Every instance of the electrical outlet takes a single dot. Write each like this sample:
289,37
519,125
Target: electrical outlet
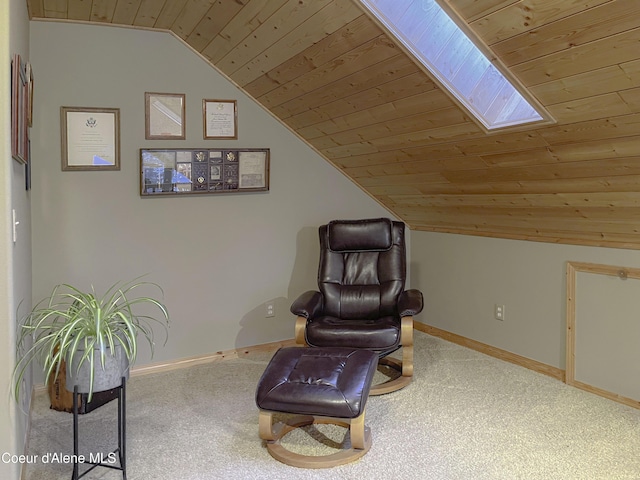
498,312
270,310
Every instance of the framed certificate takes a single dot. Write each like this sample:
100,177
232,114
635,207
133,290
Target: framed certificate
190,171
252,169
164,116
90,138
220,119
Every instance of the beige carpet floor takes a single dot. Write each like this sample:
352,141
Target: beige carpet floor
466,416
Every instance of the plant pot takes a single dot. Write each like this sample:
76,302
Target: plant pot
116,366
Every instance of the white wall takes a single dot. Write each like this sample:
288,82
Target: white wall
8,434
15,258
218,257
463,277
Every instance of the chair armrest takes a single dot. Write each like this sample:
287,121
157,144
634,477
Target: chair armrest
410,303
307,305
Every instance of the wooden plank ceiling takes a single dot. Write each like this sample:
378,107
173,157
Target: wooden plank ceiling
330,73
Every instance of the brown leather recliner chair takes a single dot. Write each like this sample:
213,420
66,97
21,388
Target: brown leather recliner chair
362,301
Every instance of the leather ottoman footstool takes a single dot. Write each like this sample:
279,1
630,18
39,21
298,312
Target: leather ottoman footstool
320,385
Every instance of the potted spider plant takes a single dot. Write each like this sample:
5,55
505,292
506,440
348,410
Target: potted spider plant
96,336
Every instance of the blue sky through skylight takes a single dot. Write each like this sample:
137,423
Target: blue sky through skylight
455,61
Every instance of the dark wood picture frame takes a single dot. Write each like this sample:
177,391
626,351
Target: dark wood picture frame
198,171
21,99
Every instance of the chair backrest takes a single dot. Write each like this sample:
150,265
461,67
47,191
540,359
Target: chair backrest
362,267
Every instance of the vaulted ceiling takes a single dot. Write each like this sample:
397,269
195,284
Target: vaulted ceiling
331,74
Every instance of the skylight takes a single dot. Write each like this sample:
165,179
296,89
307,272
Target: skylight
455,61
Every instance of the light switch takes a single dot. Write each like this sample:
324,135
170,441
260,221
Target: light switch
15,226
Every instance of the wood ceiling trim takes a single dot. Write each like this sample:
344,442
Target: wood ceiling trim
523,230
537,235
556,220
596,220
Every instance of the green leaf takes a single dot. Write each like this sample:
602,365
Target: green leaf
71,320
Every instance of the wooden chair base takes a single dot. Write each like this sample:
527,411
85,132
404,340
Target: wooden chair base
360,437
404,366
394,384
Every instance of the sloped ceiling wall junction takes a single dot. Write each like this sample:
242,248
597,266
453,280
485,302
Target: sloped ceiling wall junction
328,71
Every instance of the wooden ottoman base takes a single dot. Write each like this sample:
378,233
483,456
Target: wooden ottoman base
360,437
316,386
